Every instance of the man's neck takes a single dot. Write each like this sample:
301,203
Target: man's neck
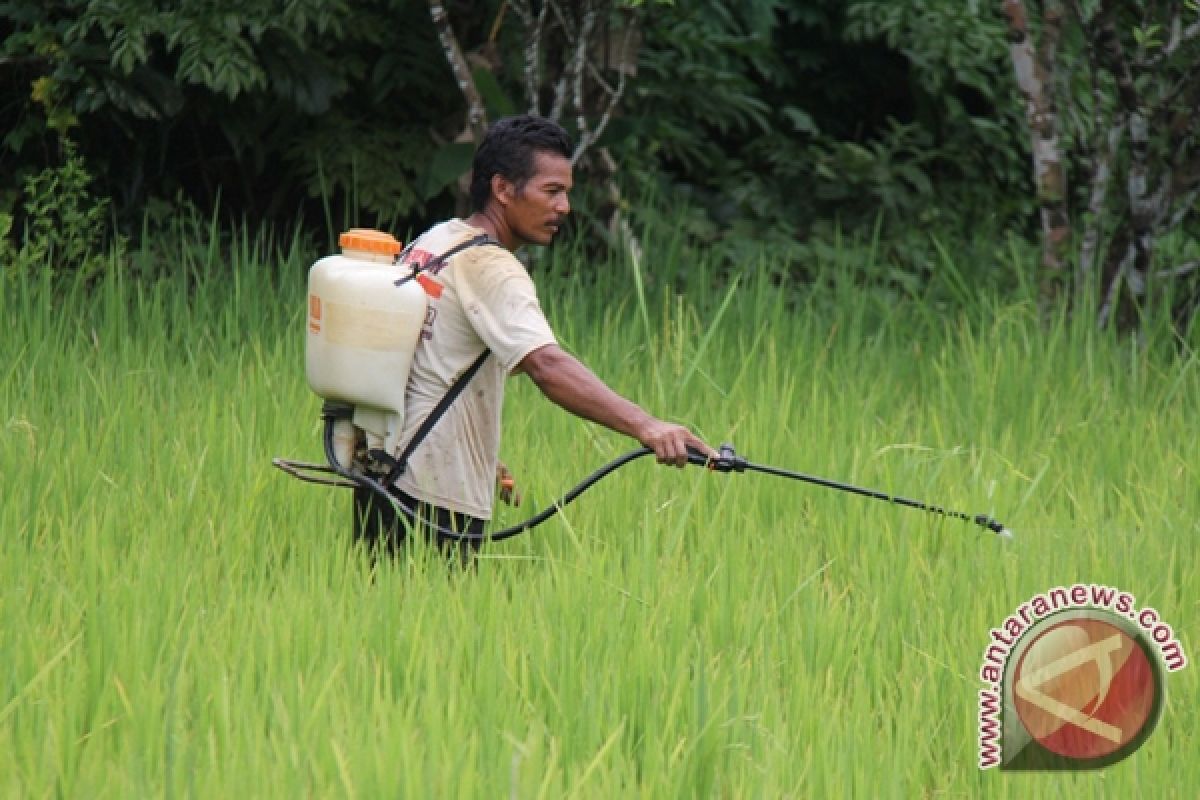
494,228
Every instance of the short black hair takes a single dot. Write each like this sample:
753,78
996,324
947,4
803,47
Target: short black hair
508,150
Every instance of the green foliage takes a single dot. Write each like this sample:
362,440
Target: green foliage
64,225
380,170
8,251
705,52
226,46
263,102
947,43
889,174
767,117
961,80
825,110
1126,88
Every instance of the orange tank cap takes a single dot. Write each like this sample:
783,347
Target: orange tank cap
370,240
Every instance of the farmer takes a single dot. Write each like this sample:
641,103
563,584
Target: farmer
484,298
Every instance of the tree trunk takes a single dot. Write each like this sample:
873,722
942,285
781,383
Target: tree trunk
571,47
1127,271
476,114
1035,74
477,122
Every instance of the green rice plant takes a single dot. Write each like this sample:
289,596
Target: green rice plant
181,619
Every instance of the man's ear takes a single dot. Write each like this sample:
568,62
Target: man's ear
503,189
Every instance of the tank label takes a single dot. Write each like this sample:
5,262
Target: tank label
314,313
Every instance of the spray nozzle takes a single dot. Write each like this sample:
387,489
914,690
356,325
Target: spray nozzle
995,526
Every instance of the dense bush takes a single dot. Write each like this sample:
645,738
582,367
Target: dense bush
825,109
767,119
259,102
875,102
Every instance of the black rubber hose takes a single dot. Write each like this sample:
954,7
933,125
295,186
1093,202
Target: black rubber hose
507,533
727,461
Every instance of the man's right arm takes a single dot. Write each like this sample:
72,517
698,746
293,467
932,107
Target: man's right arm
569,384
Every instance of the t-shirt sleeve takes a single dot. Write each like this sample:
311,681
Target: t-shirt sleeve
502,305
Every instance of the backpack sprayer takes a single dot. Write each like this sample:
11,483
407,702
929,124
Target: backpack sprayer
365,313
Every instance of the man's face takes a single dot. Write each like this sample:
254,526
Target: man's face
536,210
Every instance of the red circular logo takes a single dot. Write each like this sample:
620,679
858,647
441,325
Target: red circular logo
1084,688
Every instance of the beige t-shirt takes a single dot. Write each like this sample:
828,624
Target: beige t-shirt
487,300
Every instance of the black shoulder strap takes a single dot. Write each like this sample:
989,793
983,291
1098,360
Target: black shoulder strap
482,238
400,464
436,414
436,263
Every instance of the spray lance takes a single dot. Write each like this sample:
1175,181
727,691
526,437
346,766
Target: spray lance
365,312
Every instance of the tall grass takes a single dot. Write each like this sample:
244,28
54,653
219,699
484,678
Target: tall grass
180,619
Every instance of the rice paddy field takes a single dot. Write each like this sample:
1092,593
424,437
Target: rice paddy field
179,619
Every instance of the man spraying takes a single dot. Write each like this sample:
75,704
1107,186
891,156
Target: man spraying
482,299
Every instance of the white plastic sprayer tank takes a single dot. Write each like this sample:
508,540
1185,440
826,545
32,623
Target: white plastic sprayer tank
362,332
